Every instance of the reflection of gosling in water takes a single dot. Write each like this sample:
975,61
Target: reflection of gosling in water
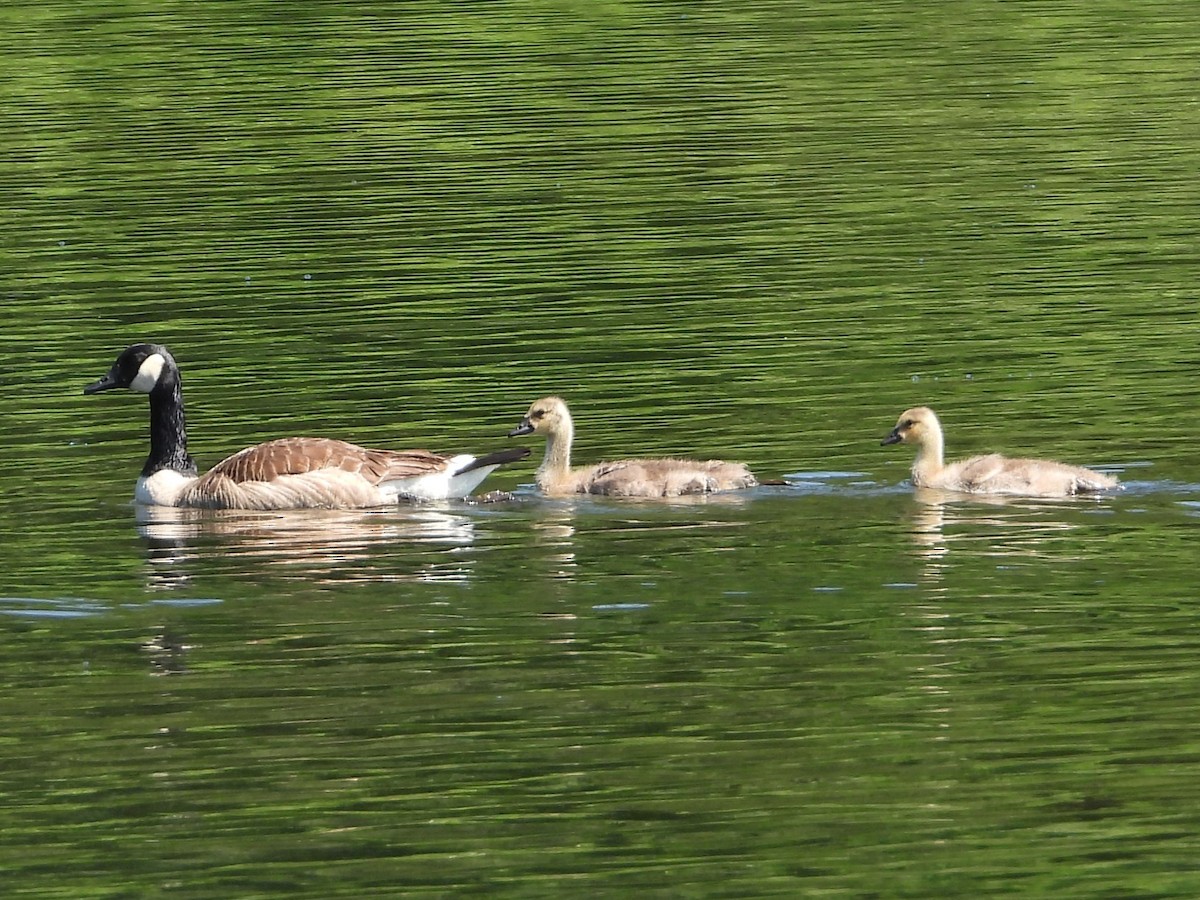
990,474
621,477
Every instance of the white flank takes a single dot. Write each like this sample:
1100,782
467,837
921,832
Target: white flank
443,485
148,374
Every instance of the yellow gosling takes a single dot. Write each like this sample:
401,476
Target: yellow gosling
991,473
666,477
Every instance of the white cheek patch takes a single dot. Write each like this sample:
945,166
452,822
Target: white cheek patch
148,373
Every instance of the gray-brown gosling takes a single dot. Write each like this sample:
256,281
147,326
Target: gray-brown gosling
290,473
664,477
989,474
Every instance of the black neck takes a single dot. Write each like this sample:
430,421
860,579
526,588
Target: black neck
168,427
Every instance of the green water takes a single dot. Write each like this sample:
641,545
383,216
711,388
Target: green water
756,231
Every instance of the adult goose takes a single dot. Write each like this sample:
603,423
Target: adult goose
290,473
623,477
990,474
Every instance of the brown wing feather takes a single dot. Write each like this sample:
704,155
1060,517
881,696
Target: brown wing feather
298,456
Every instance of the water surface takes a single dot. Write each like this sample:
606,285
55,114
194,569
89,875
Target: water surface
756,233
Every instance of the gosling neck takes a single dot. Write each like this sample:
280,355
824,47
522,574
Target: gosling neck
928,463
556,464
168,427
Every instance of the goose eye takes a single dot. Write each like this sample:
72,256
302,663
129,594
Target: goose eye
907,423
537,414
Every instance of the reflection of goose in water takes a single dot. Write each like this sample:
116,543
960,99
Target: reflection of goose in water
945,523
989,474
581,537
646,478
406,544
554,530
291,473
167,651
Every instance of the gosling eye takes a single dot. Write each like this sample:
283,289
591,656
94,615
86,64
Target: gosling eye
907,423
537,414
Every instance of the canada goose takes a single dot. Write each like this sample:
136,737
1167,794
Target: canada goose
290,473
621,477
990,474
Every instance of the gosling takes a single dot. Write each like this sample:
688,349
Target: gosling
989,474
641,478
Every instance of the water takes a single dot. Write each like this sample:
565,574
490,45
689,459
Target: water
757,233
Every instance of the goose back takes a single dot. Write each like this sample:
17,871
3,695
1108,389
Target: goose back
303,472
665,477
996,474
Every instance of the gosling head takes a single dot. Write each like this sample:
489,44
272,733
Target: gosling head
915,426
546,416
139,368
